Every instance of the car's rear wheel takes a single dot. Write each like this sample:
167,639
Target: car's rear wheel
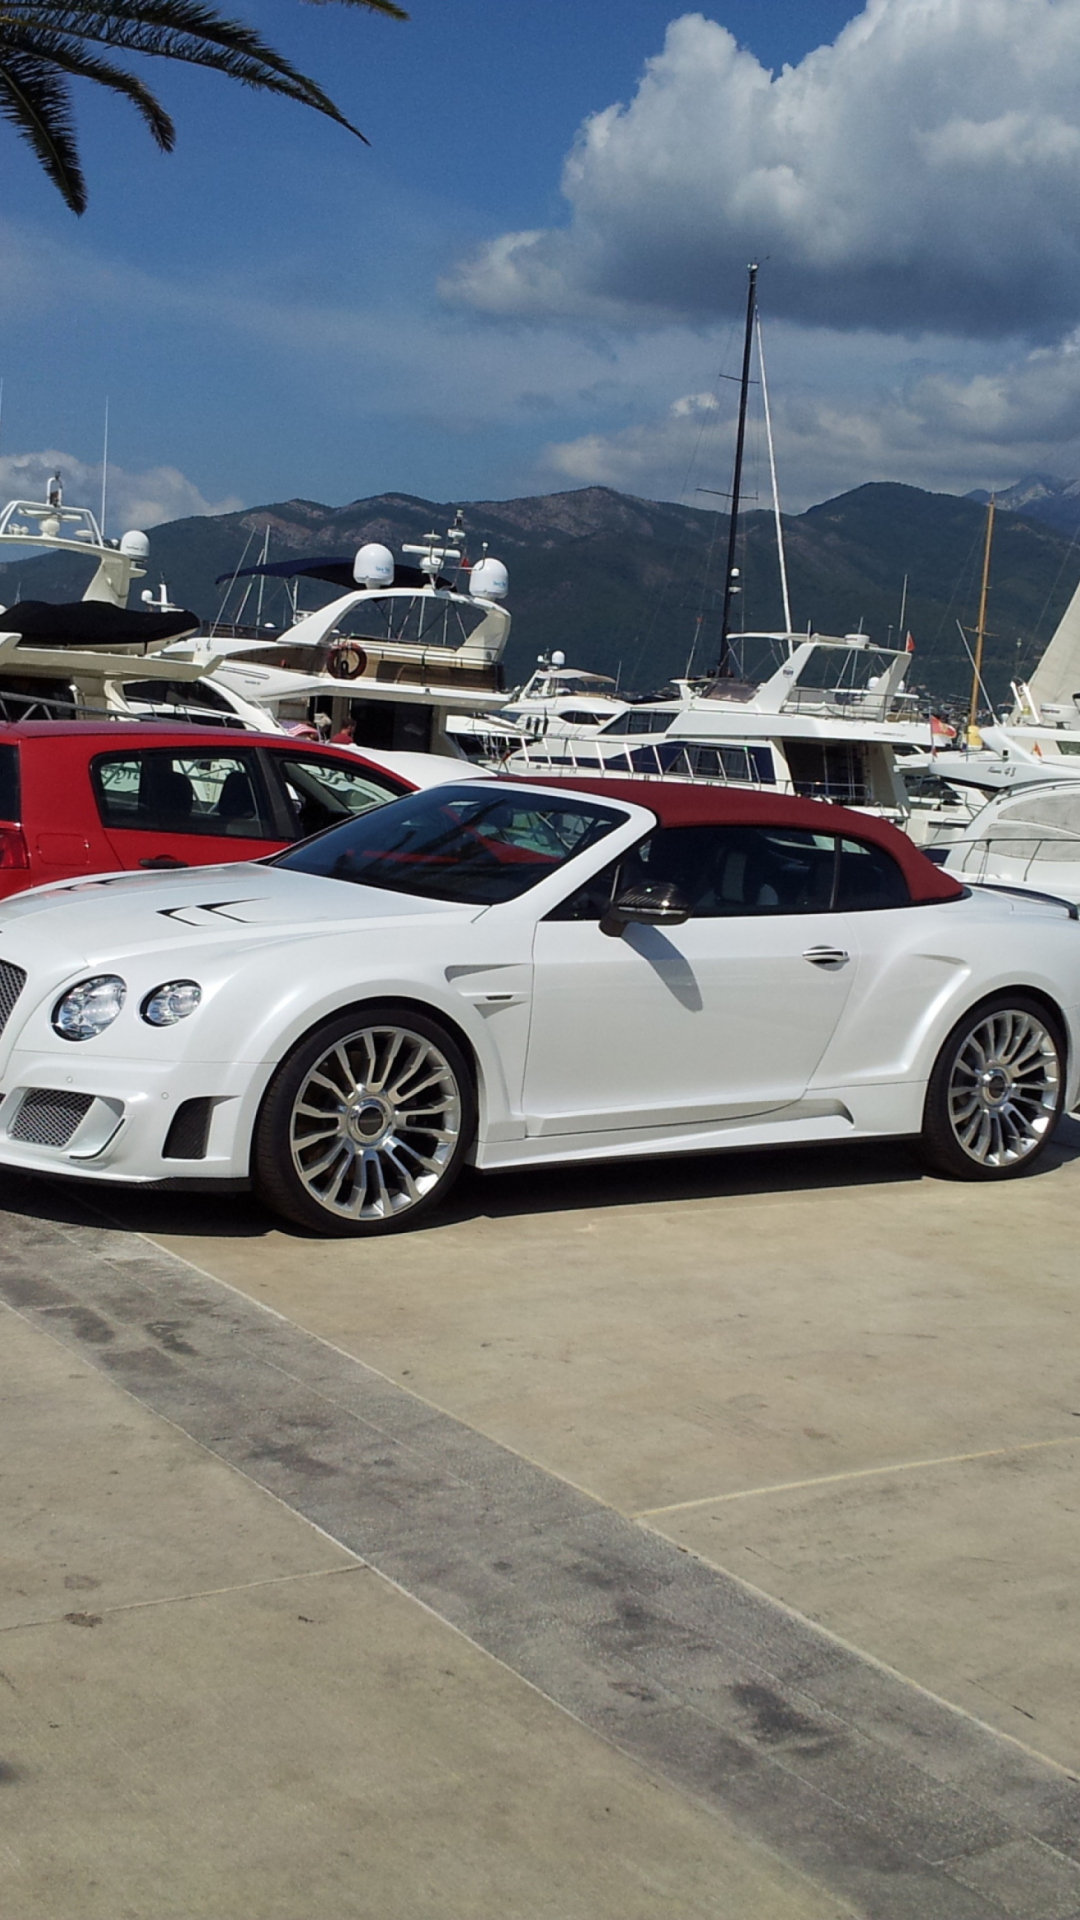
996,1091
366,1125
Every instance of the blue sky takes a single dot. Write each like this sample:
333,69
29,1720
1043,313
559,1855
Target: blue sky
461,311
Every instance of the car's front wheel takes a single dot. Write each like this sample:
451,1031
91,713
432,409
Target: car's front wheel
366,1125
996,1091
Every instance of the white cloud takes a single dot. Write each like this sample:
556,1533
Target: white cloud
134,499
922,171
945,428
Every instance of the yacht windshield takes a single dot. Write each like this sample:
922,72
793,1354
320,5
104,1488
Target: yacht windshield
474,845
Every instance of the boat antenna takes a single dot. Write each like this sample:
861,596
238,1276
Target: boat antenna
980,631
781,556
723,665
105,468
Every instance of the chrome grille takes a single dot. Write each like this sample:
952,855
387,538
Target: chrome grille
12,982
49,1117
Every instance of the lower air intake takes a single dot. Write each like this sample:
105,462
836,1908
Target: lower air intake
48,1117
189,1132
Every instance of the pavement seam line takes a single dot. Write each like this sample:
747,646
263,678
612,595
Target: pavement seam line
856,1473
202,1593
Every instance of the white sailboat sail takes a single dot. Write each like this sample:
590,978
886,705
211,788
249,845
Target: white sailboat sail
1056,679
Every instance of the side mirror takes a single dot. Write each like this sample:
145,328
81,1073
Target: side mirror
659,904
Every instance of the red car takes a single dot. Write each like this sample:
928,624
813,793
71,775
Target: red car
79,798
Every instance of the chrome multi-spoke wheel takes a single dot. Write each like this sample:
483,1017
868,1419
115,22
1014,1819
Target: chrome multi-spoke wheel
366,1124
996,1093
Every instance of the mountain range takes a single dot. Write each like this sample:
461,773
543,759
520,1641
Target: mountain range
633,587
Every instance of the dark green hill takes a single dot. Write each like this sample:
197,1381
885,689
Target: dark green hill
634,586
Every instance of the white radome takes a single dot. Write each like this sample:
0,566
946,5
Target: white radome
504,975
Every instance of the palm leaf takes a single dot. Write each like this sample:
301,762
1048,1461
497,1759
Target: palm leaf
37,103
65,54
183,30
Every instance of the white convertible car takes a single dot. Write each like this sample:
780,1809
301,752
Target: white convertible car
506,974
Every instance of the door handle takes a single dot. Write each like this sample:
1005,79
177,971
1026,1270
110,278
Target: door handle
826,956
164,860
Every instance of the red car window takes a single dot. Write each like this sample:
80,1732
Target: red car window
177,790
323,792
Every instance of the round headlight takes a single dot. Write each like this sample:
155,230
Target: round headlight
86,1010
170,1003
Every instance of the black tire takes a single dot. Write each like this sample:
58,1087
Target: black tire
355,1095
997,1090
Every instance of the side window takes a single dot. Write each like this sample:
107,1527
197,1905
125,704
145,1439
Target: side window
182,792
323,793
739,870
868,878
721,871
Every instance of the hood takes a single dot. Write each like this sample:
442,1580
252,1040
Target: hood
87,920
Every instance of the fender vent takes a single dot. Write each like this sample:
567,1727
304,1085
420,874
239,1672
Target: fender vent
190,1129
12,982
48,1117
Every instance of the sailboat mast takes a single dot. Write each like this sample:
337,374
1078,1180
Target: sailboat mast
980,631
723,665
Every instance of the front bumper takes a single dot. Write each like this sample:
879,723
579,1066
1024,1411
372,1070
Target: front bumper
109,1119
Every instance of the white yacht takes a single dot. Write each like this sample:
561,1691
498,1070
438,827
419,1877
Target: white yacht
95,656
824,723
556,702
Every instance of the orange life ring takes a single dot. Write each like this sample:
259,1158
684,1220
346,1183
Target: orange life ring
347,661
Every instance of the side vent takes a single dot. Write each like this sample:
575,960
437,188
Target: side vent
189,1132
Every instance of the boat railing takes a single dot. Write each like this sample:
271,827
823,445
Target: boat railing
15,708
724,766
1026,849
846,703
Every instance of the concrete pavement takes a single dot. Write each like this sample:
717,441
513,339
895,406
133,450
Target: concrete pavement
847,1390
209,1708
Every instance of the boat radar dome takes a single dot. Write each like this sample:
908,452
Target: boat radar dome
558,658
135,545
489,580
374,566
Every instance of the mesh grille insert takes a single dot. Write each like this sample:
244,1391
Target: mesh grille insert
187,1136
12,982
48,1117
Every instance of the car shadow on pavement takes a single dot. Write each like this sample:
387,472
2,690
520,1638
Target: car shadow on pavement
658,1181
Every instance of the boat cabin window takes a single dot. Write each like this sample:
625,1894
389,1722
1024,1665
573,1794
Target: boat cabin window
640,720
733,870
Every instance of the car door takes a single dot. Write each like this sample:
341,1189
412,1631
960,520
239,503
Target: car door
724,1016
185,806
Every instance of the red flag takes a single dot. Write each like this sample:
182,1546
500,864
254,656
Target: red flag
910,644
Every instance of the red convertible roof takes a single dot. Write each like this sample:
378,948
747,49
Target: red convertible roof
684,803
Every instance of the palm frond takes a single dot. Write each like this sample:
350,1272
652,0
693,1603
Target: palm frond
42,42
37,103
65,54
183,30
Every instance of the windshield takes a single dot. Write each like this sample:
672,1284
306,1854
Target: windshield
472,845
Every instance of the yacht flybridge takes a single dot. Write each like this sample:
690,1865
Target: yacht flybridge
408,645
56,528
